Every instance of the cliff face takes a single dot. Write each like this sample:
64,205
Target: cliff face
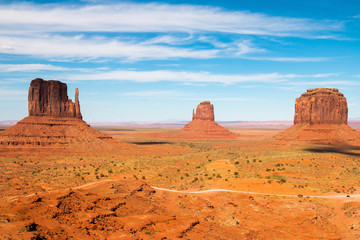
204,111
53,121
321,106
320,118
49,98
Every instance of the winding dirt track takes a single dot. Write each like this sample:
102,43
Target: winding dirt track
355,197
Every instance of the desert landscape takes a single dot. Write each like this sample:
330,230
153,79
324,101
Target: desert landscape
62,179
168,119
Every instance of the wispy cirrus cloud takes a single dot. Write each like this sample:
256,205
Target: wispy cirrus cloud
13,95
289,59
74,47
153,17
70,47
29,67
81,32
191,77
333,83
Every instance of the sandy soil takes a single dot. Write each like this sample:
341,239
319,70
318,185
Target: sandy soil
111,195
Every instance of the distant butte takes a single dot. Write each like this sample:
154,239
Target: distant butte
53,121
203,125
321,117
204,111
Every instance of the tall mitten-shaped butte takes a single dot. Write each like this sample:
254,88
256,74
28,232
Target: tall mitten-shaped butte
49,98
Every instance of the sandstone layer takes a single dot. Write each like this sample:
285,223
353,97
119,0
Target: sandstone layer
49,98
203,125
320,118
321,106
53,121
204,111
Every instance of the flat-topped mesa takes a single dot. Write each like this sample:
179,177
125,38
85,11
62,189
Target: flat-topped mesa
49,98
321,106
204,111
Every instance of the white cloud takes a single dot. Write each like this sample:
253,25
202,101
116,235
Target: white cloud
189,77
12,92
79,32
335,83
70,47
153,17
12,95
29,67
6,47
289,59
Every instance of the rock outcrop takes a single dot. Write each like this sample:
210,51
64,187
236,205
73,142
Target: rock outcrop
321,106
203,125
320,118
53,121
204,111
49,98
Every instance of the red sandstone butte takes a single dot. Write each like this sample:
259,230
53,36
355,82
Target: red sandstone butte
53,121
203,125
321,105
204,111
49,98
320,118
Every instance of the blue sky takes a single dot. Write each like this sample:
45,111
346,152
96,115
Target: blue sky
155,61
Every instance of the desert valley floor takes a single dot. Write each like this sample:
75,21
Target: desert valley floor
154,186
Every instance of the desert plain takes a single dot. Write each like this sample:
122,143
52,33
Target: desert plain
285,192
61,178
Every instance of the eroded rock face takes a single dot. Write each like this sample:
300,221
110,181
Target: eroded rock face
204,111
320,119
49,98
54,121
321,106
203,125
